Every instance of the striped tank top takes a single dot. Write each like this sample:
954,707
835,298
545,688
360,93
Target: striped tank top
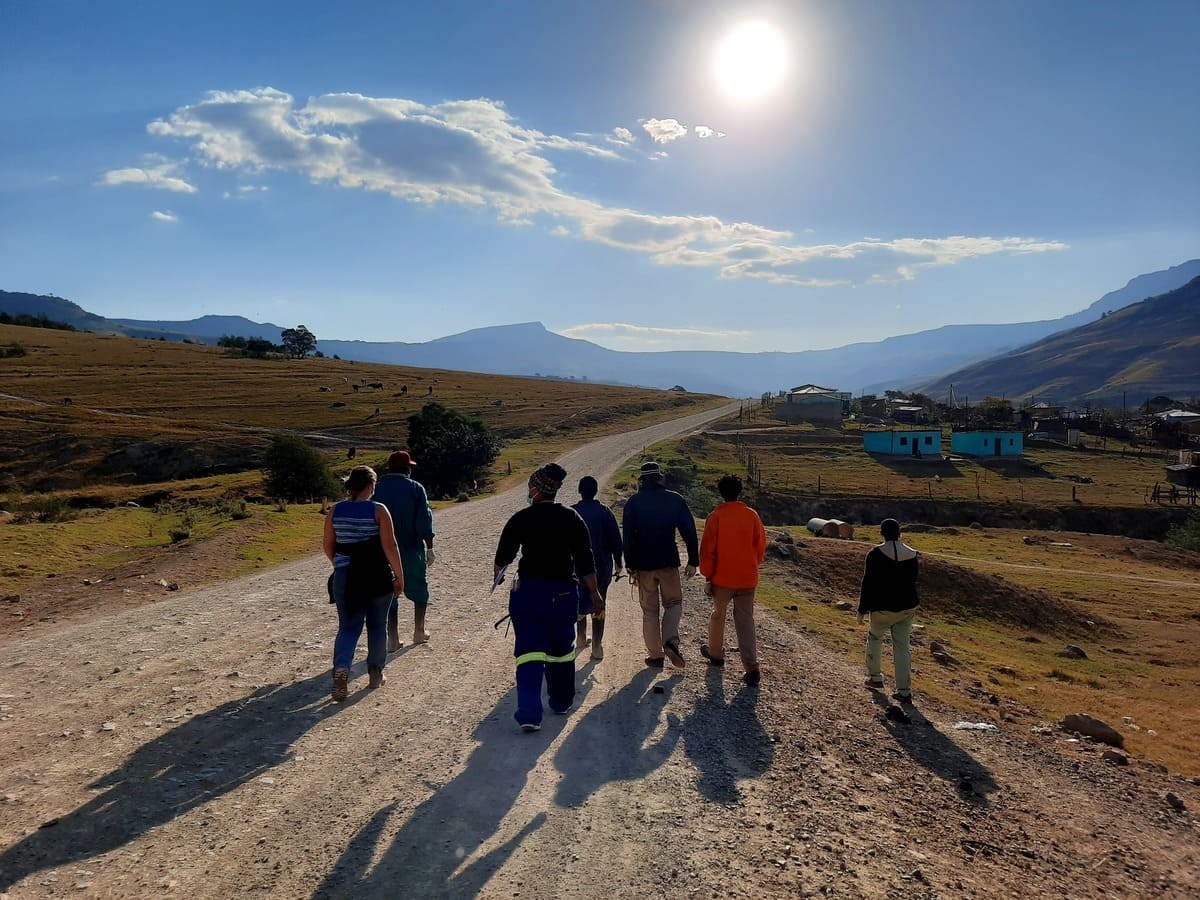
353,521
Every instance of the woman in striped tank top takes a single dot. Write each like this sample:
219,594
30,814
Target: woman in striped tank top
367,574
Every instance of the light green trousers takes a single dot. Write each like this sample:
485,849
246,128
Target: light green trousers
899,624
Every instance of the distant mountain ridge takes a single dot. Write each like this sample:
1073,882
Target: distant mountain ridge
1140,351
905,361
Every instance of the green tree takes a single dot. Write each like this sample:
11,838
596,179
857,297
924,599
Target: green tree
451,448
995,411
259,347
298,342
295,471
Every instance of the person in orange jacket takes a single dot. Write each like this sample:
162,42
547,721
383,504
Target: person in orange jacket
733,547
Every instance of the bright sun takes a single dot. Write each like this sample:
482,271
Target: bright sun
750,61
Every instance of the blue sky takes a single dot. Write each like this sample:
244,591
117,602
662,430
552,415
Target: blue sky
382,172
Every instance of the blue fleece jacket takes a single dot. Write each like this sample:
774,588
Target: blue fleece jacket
651,518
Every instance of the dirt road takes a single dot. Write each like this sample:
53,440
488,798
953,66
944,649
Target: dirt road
189,749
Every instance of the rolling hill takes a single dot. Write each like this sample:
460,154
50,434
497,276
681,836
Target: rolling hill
903,361
1142,350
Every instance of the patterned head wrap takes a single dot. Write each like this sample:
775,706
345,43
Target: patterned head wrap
548,479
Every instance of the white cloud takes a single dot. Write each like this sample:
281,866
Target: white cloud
161,176
663,131
649,336
622,137
160,216
703,131
661,154
473,153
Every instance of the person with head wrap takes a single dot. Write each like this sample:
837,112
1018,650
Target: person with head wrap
556,554
888,596
651,518
606,550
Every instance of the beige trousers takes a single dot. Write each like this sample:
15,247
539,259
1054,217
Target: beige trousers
743,623
660,594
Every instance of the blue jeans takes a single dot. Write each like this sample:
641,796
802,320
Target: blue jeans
372,613
543,617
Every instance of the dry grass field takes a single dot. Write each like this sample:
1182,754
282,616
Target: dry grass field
89,423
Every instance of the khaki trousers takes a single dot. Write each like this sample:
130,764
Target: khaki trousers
660,593
743,623
899,625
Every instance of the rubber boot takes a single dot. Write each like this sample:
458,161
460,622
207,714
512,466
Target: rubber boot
597,639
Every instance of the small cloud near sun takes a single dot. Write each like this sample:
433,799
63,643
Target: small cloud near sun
663,131
703,131
622,137
160,216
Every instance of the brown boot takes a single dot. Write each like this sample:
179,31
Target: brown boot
341,685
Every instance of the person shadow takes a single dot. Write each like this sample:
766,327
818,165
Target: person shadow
725,739
925,745
609,743
426,856
206,757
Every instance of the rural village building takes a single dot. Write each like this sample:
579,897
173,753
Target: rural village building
1186,420
904,443
813,403
987,443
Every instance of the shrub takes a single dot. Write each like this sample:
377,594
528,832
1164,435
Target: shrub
45,508
179,534
463,497
1186,535
13,350
451,448
295,471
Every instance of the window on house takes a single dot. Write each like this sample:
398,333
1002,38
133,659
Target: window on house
1011,441
985,442
903,442
929,439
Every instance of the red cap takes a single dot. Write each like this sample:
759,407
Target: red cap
400,460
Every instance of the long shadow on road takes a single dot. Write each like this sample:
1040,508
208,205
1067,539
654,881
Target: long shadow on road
931,749
204,758
609,743
725,740
426,856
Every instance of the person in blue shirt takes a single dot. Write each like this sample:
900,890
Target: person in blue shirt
606,549
412,519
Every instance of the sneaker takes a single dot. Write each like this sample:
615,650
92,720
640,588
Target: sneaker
654,662
529,727
906,699
376,678
341,685
752,678
672,650
712,660
873,685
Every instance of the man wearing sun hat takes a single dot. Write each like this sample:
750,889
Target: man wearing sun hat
651,518
412,520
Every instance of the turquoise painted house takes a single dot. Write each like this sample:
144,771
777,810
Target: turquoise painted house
903,443
987,443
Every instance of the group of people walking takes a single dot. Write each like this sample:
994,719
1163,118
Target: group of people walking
569,557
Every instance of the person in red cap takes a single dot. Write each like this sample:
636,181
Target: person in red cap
412,520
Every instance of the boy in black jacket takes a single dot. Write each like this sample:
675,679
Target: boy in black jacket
889,597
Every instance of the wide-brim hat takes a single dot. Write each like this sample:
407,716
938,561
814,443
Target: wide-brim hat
650,469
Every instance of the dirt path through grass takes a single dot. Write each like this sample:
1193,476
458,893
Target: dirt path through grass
190,749
952,557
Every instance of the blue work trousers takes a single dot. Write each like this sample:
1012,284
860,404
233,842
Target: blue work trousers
543,618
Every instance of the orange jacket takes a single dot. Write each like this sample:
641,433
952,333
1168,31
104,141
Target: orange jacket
733,547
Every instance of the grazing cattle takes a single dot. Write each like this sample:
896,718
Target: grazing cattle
324,390
66,401
355,386
338,405
376,385
404,388
351,453
497,403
